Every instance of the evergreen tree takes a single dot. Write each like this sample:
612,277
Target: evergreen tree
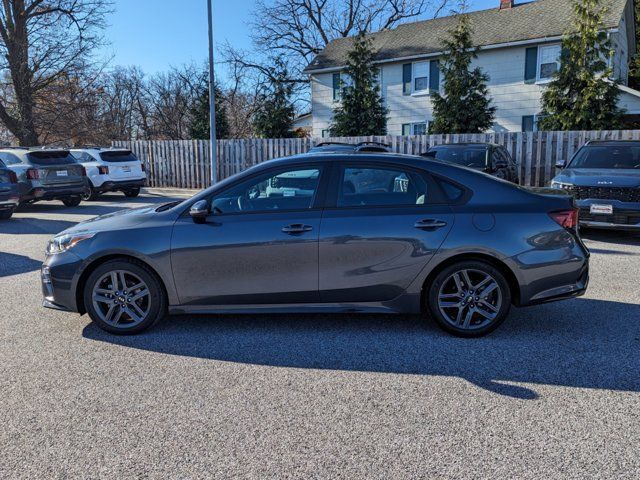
634,65
361,111
199,129
582,95
275,113
465,106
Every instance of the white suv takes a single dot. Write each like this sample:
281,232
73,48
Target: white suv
110,170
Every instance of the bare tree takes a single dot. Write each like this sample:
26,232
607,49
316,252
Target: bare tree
43,44
297,30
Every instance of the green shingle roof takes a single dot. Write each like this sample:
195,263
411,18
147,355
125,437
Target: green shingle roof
536,20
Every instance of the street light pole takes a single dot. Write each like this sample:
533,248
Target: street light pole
212,101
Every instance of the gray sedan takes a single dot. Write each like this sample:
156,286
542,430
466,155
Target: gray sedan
418,236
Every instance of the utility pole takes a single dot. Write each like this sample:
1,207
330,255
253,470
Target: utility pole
212,100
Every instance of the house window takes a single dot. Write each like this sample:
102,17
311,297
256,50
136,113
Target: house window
420,77
530,123
418,128
326,133
548,62
340,82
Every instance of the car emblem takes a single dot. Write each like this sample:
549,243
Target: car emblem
605,183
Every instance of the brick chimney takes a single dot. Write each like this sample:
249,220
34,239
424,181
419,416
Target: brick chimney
504,4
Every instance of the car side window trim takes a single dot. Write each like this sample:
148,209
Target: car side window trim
438,197
316,203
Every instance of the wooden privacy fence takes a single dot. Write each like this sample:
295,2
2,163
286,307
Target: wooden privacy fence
186,163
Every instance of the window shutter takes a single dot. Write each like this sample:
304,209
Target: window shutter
531,65
406,78
434,76
528,123
336,87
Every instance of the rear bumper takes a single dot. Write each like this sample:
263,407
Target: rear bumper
117,185
53,193
9,200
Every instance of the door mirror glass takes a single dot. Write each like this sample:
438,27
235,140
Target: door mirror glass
200,211
561,163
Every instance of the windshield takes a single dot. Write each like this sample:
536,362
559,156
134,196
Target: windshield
472,157
608,156
51,157
118,156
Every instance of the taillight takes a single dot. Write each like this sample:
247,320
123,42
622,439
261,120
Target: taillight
566,218
33,174
103,170
13,178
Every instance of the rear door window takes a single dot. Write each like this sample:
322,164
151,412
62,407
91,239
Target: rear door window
55,157
363,186
118,156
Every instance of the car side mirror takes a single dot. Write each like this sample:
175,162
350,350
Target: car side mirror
200,211
561,163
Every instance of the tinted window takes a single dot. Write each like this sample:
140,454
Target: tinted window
9,158
381,186
609,156
452,192
2,165
82,157
474,157
54,157
118,156
290,189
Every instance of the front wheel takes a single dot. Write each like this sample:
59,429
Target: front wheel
124,297
72,201
6,214
132,193
89,194
469,298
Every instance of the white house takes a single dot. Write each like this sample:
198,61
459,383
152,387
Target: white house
519,50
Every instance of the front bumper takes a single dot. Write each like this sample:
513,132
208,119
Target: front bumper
9,201
59,277
626,216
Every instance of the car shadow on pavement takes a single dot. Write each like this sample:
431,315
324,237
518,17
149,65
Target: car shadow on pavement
581,343
12,264
611,236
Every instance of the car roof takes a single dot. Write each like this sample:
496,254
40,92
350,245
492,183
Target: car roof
613,142
466,144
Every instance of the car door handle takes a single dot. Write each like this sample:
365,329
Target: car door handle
297,228
430,224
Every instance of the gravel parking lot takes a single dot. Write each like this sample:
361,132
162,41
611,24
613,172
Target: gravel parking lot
553,393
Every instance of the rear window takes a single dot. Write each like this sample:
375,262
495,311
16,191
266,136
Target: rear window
56,157
608,157
472,157
119,156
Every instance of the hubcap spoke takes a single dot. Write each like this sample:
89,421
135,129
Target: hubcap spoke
117,308
469,299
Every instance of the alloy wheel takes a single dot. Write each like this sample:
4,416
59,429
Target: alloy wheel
470,299
121,299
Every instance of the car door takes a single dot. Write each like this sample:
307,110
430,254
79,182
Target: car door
259,245
382,225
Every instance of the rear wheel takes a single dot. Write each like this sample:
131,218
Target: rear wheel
72,201
132,193
469,298
124,297
89,194
6,214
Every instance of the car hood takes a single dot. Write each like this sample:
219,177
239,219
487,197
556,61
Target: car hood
115,221
596,177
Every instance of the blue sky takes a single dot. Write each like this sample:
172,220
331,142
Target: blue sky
156,34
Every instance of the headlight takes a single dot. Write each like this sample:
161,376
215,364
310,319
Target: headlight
62,243
560,185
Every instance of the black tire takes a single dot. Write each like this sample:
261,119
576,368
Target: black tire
72,201
6,214
157,308
90,194
478,325
132,193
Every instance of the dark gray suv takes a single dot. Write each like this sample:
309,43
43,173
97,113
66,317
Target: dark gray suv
417,236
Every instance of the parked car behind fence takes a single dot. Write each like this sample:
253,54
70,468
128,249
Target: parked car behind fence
111,169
